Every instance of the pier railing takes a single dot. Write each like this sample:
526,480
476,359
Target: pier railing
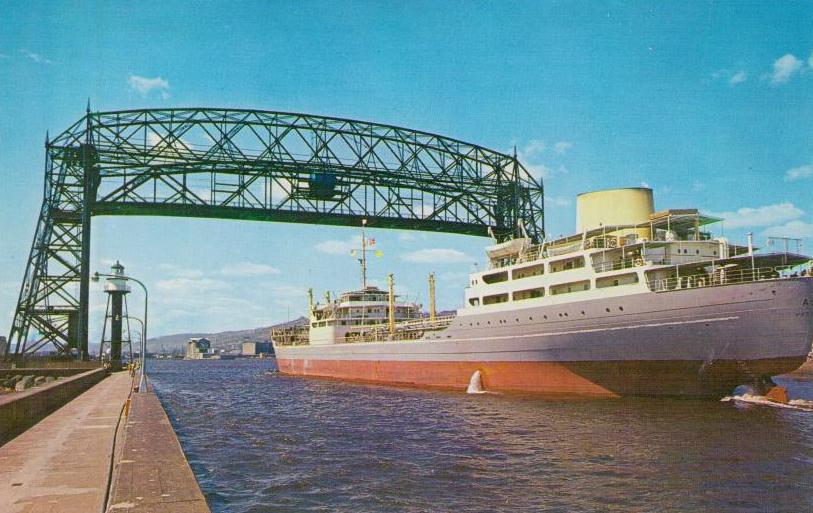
725,276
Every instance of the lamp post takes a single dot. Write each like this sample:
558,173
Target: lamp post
143,340
142,380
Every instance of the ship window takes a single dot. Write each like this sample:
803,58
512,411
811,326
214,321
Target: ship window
615,281
475,301
529,293
494,299
697,251
565,288
567,264
527,272
495,277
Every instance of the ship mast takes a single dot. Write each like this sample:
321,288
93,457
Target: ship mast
366,245
363,256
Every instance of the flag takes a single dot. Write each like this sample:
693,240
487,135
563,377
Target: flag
371,242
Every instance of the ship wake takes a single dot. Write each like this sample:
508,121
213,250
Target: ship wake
793,404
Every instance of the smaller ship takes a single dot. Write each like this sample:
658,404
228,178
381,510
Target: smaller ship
353,316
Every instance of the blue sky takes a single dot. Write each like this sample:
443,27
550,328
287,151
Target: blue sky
710,103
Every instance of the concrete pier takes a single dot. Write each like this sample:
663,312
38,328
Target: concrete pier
152,474
62,464
89,456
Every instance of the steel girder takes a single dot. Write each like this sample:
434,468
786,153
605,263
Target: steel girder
248,164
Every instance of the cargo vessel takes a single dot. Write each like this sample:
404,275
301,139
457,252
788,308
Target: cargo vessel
636,302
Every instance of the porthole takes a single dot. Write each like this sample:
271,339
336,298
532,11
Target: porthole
530,318
517,319
545,316
621,308
607,309
565,314
583,313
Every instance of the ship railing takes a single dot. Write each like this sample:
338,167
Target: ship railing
628,263
291,335
530,254
723,276
405,330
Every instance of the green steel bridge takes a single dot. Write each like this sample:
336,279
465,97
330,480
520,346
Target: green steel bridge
257,165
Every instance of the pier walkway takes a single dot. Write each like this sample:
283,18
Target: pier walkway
152,474
62,464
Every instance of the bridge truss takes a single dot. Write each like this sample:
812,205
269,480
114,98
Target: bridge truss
248,164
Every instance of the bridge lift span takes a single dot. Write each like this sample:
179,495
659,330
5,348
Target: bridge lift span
249,164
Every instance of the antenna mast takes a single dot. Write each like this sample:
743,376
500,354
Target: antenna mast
363,256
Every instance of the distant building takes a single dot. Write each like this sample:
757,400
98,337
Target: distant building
2,345
198,349
256,348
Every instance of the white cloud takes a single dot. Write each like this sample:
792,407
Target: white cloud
798,173
534,148
178,271
558,201
698,186
36,57
145,85
436,256
244,269
646,185
339,247
407,237
761,216
190,286
738,78
562,147
784,68
797,229
539,171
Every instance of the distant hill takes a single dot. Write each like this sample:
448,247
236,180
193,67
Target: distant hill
219,340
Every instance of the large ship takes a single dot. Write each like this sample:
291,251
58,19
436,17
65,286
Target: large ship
637,302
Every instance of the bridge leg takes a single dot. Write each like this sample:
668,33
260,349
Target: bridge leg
59,258
84,273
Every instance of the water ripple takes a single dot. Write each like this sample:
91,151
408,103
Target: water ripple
260,442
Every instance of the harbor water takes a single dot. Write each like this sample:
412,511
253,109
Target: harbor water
261,442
